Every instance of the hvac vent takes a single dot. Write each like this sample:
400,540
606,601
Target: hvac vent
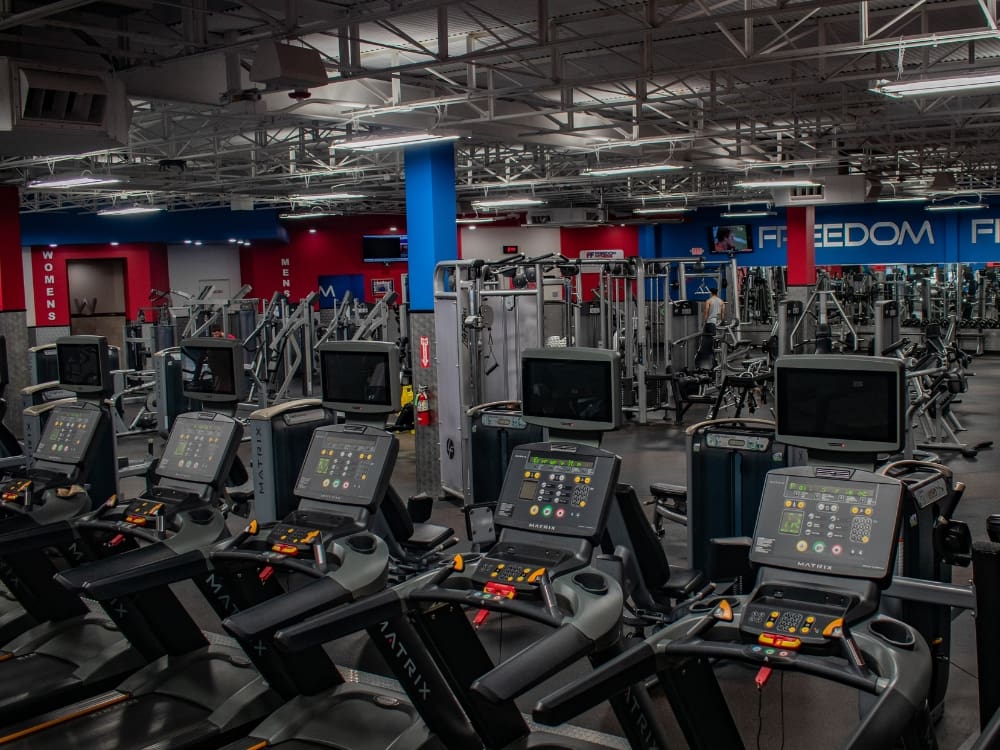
808,194
833,190
834,472
46,110
561,217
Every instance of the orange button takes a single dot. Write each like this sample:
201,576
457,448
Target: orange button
779,641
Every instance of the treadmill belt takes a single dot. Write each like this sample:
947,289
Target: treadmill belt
32,673
136,723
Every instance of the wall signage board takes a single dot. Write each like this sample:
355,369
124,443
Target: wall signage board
602,254
382,287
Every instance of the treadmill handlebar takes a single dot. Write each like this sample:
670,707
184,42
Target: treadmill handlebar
313,598
37,537
133,571
534,665
273,559
609,679
342,621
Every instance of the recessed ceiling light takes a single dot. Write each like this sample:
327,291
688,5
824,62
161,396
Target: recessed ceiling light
53,244
745,214
115,244
306,215
312,231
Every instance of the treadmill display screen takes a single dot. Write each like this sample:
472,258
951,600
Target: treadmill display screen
838,526
67,435
195,450
342,468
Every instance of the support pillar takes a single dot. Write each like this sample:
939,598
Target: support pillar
433,237
801,260
13,320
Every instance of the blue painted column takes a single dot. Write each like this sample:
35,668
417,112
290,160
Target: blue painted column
648,236
430,217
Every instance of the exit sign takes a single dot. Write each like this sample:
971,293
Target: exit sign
510,249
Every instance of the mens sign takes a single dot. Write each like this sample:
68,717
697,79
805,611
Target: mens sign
856,234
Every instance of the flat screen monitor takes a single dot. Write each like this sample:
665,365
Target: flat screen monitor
384,248
84,364
730,238
197,448
212,370
68,434
571,389
841,403
360,377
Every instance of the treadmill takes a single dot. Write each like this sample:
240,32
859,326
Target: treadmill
551,512
179,513
814,610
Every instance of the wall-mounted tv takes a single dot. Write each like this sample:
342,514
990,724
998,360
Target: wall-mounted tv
730,238
384,248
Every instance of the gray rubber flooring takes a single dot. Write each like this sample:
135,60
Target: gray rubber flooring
793,711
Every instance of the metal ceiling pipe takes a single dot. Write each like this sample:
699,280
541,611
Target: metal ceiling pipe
43,11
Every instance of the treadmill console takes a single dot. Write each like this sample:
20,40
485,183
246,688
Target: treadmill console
348,465
198,446
561,495
69,433
837,528
842,522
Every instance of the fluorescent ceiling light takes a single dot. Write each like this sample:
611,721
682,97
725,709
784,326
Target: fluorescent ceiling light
903,199
72,182
305,215
933,86
787,183
955,207
745,214
753,163
639,169
508,202
664,210
313,197
130,211
649,141
370,110
476,220
392,141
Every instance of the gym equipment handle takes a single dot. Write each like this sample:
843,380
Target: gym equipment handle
307,601
609,679
533,665
342,621
133,571
36,537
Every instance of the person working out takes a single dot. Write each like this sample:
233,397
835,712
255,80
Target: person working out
218,333
715,308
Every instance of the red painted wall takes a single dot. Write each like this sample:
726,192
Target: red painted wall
11,267
145,269
335,249
573,240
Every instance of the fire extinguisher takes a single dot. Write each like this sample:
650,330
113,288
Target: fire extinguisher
423,407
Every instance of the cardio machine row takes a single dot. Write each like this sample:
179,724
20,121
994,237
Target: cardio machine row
558,505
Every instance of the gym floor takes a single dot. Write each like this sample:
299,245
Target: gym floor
792,711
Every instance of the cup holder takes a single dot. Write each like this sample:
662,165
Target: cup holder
893,632
363,543
592,583
201,515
